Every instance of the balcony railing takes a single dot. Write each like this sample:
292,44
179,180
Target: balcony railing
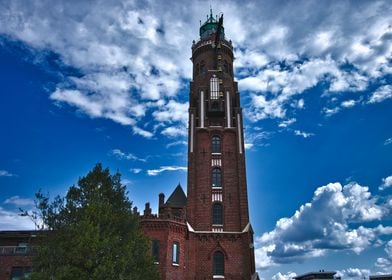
15,251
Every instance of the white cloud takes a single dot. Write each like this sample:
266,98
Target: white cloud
248,146
176,143
175,131
19,201
121,155
331,221
331,111
303,134
386,183
287,276
10,220
5,173
383,263
172,112
128,55
353,273
287,123
256,136
154,172
381,94
348,103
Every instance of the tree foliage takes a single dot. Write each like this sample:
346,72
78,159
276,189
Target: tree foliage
91,233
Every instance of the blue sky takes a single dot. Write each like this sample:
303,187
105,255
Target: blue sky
107,81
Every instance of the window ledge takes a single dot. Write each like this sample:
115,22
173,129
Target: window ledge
216,154
218,277
216,188
156,262
175,264
217,225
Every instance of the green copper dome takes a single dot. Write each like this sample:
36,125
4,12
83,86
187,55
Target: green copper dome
209,27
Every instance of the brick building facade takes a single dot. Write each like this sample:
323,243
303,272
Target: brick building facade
207,235
15,254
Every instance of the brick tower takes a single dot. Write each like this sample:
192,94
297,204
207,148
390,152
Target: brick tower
220,234
207,235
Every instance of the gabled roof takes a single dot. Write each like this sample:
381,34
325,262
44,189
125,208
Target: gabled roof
178,198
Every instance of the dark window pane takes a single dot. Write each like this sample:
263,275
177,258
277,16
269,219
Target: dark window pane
155,250
219,263
19,273
216,144
216,177
217,217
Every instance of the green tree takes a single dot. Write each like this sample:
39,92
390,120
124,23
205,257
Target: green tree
91,233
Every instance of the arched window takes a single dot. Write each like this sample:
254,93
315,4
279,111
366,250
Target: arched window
217,215
218,264
214,87
216,178
216,144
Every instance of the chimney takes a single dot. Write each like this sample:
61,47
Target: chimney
135,212
147,209
161,199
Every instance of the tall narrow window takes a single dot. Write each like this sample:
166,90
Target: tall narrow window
155,250
216,178
197,69
218,264
216,144
176,253
217,216
214,88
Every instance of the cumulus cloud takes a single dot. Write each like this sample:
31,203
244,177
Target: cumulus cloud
5,173
287,276
333,220
386,183
121,155
128,55
154,172
385,263
353,273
